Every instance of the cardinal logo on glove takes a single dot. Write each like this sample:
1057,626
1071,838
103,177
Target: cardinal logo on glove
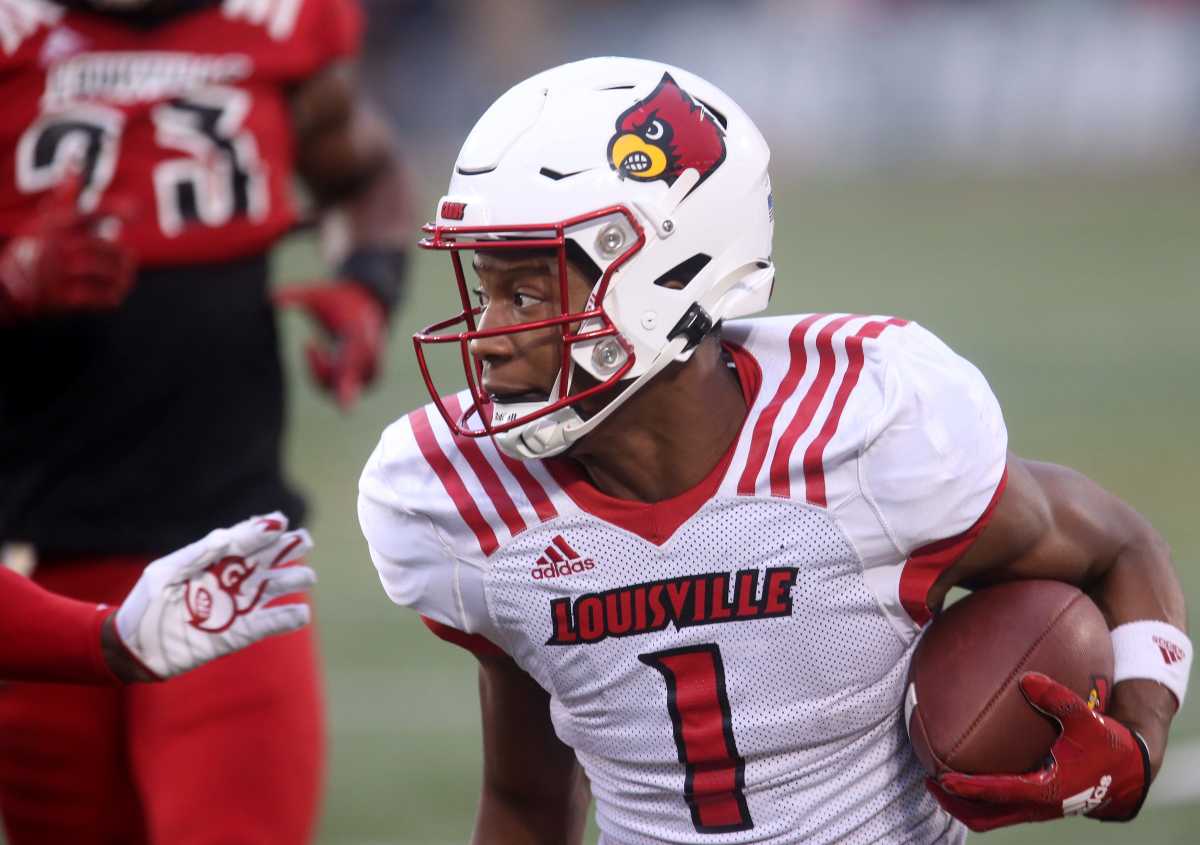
216,597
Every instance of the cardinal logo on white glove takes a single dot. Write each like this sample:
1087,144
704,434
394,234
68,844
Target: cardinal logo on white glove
214,596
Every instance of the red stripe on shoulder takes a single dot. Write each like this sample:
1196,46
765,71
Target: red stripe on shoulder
479,646
925,564
451,482
781,483
814,455
760,441
486,475
534,491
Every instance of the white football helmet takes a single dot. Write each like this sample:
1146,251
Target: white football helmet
656,175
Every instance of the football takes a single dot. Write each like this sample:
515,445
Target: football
963,706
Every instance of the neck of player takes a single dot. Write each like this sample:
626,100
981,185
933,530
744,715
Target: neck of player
669,435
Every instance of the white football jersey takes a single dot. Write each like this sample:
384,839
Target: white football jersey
728,665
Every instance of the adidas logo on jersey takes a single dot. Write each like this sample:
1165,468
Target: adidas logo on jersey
560,559
1088,800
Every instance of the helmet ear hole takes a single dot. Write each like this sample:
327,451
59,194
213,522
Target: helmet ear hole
578,256
681,275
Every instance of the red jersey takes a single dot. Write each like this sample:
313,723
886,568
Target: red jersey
188,118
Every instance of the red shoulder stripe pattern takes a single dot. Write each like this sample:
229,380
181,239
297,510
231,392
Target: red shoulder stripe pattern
925,564
781,484
760,441
486,475
534,492
530,486
451,481
814,455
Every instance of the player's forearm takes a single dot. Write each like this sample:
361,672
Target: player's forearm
515,819
375,223
1141,584
45,637
349,158
377,213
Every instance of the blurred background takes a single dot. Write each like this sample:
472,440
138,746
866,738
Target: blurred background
1020,177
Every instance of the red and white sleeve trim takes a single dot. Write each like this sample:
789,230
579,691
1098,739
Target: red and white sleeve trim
478,645
927,563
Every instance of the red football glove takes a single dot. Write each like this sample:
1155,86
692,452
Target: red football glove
1098,768
64,260
356,325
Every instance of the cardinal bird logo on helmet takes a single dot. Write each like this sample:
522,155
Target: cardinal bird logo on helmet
665,134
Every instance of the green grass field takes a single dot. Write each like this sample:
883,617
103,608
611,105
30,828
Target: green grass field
1077,297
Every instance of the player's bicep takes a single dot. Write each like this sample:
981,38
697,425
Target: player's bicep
1051,522
533,787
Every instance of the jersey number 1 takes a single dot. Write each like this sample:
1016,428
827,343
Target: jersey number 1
714,772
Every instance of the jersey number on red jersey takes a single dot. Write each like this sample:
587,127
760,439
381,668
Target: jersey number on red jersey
219,175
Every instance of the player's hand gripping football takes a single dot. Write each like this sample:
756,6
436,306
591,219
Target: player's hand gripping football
66,260
355,324
213,597
1098,768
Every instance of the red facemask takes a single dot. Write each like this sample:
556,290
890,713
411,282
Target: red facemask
462,328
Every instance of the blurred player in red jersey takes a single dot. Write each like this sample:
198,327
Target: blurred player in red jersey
148,156
211,598
694,553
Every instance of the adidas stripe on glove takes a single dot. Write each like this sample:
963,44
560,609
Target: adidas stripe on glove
1098,768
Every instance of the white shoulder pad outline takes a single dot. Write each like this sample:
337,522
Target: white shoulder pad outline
435,507
933,468
939,446
278,17
416,565
20,19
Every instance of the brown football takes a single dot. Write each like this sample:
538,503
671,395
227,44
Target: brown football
964,709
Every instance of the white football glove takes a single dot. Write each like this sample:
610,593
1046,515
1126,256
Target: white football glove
209,598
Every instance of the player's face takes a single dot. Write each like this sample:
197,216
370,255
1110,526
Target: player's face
522,288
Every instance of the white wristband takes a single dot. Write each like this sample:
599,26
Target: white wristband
1154,651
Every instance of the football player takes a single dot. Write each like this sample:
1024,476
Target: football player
147,157
208,599
694,553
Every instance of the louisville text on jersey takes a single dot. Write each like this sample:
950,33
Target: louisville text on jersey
131,77
683,602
